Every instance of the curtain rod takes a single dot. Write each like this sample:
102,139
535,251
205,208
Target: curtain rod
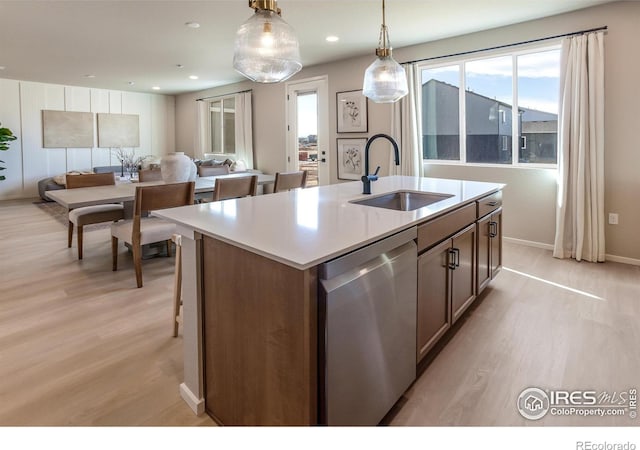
508,45
224,95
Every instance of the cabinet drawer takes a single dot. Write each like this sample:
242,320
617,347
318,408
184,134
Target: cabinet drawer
489,203
442,227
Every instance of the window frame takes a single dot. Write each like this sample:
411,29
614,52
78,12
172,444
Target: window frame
515,132
222,111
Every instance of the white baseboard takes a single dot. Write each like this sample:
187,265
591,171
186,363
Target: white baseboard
612,258
196,404
528,243
622,259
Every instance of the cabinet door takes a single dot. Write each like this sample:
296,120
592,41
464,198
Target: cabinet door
484,253
496,242
463,271
433,297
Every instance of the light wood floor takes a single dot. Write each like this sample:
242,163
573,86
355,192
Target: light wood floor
526,332
80,345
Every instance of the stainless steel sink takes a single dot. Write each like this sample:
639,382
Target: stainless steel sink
403,200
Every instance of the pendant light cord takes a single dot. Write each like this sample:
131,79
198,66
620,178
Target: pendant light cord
383,39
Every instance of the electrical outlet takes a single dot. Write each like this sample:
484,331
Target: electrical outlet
613,218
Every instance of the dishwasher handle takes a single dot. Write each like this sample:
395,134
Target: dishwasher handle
361,256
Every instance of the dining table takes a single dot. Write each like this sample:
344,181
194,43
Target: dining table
125,191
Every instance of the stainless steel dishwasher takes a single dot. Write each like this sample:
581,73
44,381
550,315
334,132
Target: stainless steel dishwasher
367,311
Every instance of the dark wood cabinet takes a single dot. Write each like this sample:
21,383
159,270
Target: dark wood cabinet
461,252
446,286
463,271
496,242
489,231
434,315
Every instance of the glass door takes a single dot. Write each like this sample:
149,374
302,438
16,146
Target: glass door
307,129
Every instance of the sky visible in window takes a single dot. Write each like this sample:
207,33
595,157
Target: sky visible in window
307,114
538,78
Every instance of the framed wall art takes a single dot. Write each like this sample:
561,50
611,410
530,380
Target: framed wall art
118,130
351,158
69,129
351,112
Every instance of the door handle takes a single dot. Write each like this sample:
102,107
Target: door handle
323,160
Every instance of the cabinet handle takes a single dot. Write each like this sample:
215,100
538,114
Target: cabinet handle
492,203
454,258
451,256
493,229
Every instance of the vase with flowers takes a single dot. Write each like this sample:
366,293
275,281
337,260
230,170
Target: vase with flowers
130,163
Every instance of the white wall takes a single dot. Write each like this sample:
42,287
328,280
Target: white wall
529,198
21,105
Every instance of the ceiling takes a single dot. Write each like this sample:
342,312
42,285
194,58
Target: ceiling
144,41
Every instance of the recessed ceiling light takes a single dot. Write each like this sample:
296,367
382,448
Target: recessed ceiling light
156,88
193,77
179,66
131,83
193,24
332,39
89,75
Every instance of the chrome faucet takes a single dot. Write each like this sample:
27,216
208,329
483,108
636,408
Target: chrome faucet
367,178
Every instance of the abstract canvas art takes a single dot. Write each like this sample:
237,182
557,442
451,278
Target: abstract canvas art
68,129
118,130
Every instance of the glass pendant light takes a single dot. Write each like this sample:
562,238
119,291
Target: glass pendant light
385,80
266,47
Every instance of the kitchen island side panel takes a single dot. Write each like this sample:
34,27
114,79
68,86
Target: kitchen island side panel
260,338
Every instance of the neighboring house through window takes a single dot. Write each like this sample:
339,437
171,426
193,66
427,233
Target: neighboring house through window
480,110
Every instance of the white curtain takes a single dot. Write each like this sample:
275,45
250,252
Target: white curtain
244,129
406,126
580,205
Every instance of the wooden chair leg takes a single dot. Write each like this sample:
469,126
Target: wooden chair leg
114,253
137,263
80,241
70,234
177,289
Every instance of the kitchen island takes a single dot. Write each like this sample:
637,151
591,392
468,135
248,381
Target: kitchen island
250,288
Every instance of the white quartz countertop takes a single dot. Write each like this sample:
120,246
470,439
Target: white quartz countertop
305,227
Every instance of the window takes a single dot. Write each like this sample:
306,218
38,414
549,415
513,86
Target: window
223,125
481,110
441,113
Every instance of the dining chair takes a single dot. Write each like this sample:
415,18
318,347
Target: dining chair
210,171
87,215
227,188
149,175
285,181
143,230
